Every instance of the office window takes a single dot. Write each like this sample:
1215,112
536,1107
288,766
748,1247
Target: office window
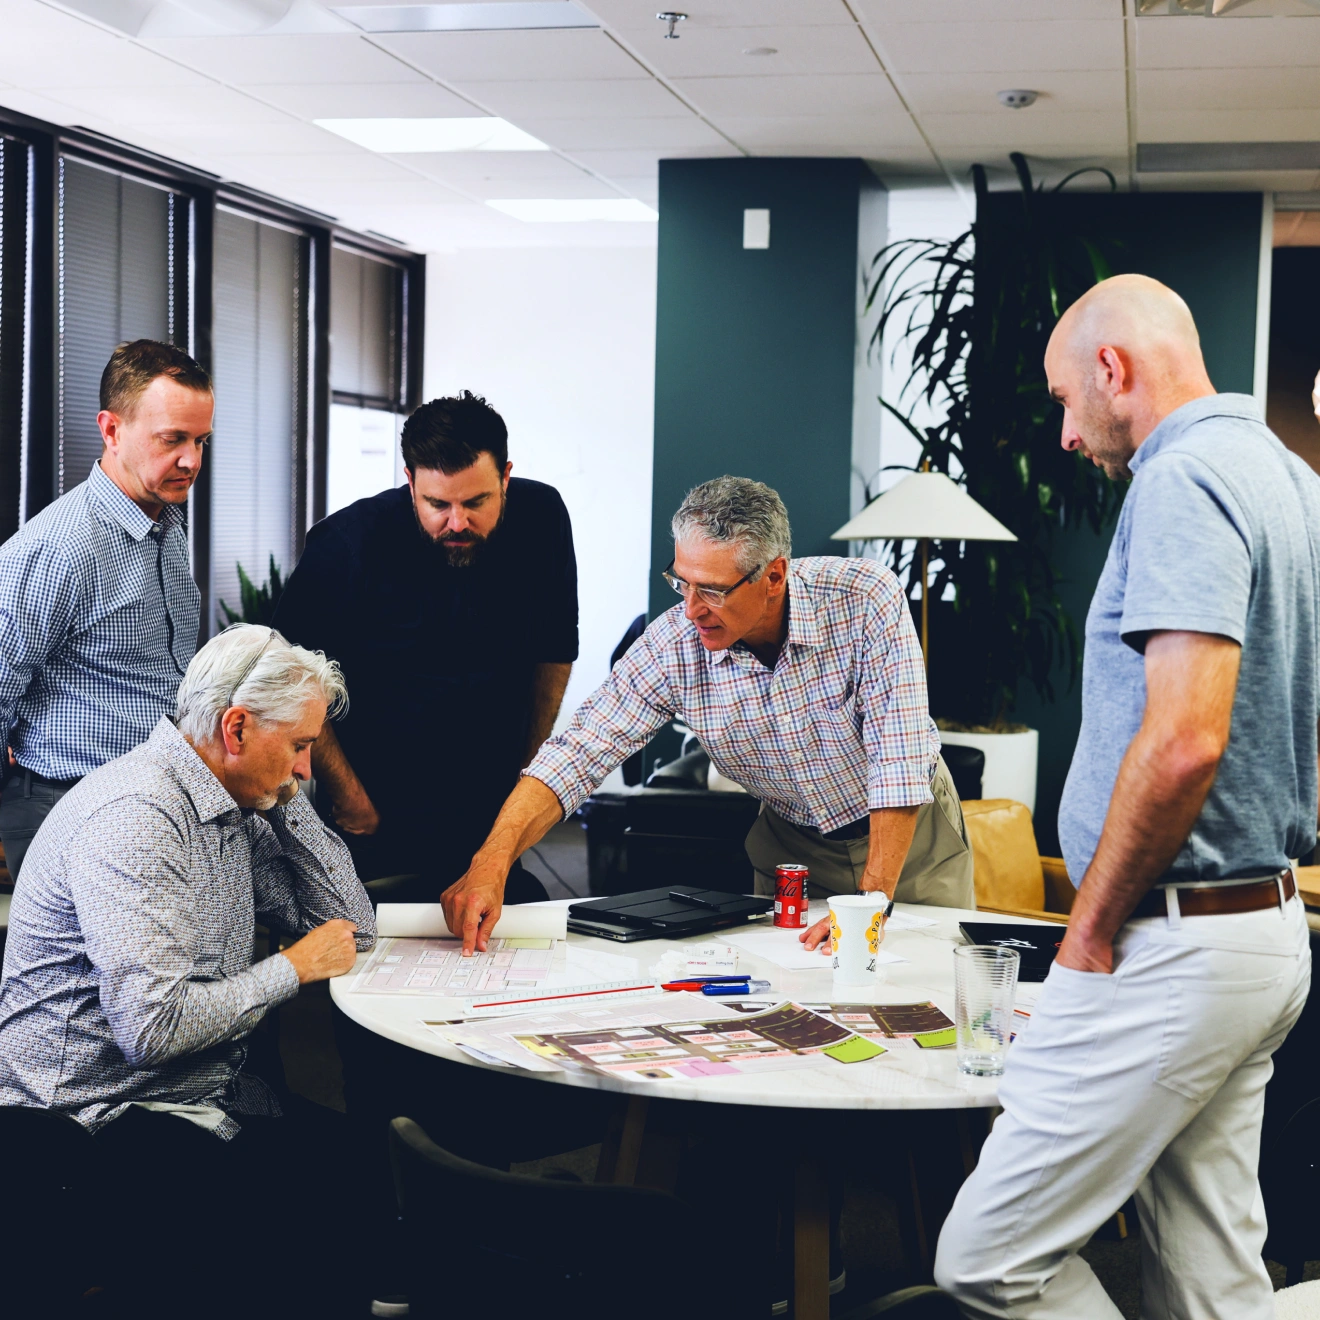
15,282
368,370
261,390
123,274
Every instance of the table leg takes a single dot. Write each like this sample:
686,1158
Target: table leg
622,1147
811,1239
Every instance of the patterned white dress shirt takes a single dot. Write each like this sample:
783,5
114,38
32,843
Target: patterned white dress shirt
128,973
98,621
839,727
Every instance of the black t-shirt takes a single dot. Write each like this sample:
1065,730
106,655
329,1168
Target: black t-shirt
439,660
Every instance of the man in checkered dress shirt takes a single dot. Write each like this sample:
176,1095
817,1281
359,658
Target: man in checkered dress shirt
98,609
803,681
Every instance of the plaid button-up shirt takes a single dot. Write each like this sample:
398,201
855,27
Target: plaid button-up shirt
838,727
128,973
98,621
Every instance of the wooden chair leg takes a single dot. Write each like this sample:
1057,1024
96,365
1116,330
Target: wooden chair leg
621,1150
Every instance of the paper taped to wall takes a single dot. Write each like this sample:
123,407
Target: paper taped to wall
427,921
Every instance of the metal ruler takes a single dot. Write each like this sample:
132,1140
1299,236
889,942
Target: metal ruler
575,996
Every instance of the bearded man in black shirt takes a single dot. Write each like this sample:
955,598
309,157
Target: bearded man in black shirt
451,605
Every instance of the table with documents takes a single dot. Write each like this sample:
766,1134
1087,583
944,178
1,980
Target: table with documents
620,1036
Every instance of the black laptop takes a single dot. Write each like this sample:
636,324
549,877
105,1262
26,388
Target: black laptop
1037,945
670,912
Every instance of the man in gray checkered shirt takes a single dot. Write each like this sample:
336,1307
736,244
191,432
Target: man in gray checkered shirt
130,993
98,608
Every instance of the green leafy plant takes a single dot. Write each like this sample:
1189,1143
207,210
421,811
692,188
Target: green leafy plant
258,603
975,312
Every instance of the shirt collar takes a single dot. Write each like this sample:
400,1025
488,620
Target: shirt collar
127,514
1181,420
209,797
803,628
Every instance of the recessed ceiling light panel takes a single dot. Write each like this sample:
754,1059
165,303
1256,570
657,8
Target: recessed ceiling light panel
399,136
557,210
762,50
499,16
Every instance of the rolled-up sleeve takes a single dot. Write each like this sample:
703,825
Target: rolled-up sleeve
303,874
618,719
137,906
897,732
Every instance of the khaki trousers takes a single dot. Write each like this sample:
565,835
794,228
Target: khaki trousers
938,869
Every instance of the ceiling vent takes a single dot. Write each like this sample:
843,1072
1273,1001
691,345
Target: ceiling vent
1216,157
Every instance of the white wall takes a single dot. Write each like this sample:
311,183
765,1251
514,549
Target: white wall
561,341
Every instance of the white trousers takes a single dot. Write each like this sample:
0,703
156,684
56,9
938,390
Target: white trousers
1150,1080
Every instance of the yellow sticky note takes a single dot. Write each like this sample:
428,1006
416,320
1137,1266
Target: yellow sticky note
855,1049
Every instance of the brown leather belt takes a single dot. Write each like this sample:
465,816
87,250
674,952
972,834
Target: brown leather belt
1224,897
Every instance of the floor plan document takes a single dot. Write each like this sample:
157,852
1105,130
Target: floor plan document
437,967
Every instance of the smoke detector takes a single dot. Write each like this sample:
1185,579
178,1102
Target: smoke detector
1017,98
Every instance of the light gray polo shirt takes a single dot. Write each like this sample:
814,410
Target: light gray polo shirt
1220,533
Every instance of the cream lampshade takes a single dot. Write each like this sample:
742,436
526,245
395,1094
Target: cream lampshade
924,507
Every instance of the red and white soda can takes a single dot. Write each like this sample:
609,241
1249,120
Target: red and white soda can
791,895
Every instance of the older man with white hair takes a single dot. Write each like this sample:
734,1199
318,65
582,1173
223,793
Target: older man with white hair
130,990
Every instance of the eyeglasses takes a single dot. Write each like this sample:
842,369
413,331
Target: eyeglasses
251,665
715,596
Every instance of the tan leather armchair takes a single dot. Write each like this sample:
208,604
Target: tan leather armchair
1010,874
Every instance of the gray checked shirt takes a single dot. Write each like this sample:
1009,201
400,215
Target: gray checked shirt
98,621
128,973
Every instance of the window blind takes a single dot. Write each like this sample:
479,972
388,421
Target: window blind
119,278
15,275
260,360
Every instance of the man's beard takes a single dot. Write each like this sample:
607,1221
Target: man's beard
464,549
1106,436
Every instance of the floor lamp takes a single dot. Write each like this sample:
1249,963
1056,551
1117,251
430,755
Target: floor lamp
924,507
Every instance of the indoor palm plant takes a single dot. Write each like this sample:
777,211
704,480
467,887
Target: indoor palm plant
976,313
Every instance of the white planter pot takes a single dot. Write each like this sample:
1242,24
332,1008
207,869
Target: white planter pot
1010,763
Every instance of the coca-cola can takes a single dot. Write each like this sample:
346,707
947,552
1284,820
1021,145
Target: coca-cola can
791,895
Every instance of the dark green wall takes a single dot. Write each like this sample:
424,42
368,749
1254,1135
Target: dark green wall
754,349
1206,246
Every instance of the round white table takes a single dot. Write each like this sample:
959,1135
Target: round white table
906,1077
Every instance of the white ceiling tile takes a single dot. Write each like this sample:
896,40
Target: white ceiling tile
333,196
460,168
570,53
363,168
286,138
419,100
626,164
971,93
673,134
648,190
1008,46
1170,43
171,111
825,133
719,52
630,98
84,56
1047,167
887,12
307,58
844,94
1104,130
583,186
1251,88
41,106
639,15
32,16
1228,125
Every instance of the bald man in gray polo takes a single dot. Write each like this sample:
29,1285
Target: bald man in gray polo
1187,959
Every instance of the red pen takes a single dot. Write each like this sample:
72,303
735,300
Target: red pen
698,986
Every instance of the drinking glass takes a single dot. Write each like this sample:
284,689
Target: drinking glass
984,982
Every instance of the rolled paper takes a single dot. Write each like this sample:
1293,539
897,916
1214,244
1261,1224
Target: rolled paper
427,921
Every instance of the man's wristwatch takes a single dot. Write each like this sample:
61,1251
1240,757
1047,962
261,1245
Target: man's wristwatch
881,896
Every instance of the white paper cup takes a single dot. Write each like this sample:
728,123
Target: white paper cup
856,929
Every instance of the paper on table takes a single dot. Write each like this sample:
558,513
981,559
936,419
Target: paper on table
906,921
427,921
783,948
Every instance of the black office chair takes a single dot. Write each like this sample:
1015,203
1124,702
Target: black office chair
479,1241
51,1232
1290,1184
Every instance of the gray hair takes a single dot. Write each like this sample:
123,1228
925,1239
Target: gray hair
255,668
741,512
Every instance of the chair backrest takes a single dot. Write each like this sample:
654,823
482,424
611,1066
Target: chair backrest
1006,861
506,1244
